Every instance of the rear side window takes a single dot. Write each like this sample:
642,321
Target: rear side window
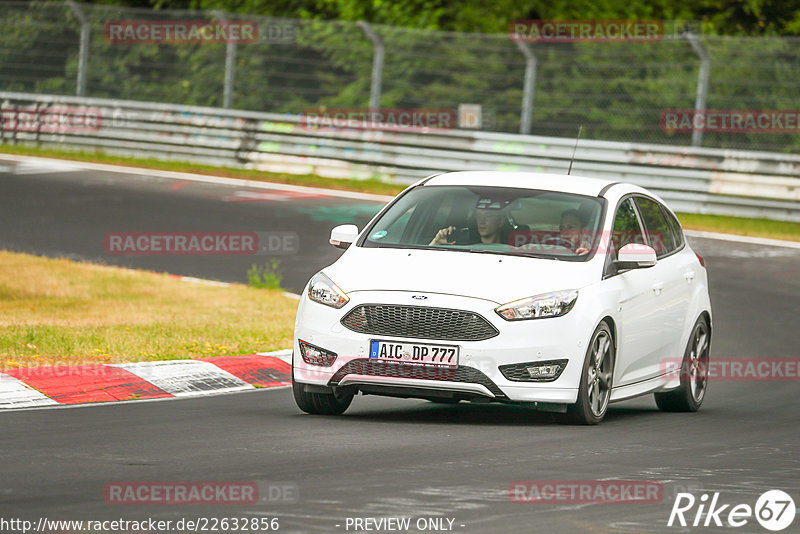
675,227
659,232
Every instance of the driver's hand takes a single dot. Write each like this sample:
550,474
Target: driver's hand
441,236
581,251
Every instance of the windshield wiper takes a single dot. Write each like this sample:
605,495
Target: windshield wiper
451,248
527,255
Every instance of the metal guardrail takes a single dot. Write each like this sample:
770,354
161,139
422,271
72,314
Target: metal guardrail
719,181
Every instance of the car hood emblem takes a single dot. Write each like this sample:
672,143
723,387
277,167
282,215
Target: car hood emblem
419,297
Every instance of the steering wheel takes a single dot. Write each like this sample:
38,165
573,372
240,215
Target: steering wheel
558,241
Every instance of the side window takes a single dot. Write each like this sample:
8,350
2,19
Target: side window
626,226
675,227
659,232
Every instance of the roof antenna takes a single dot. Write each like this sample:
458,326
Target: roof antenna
580,129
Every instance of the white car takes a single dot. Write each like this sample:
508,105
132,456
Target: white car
560,292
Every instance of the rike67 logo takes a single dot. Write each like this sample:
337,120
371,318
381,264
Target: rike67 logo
774,510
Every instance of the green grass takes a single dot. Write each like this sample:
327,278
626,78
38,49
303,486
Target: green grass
59,312
265,276
789,231
711,223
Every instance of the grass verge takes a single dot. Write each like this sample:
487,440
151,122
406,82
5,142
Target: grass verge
789,231
709,223
59,312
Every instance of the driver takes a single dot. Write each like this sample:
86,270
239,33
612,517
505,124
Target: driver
572,227
489,223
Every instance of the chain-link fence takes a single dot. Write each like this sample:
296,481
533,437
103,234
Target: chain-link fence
615,90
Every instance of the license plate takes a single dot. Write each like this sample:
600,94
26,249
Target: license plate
420,353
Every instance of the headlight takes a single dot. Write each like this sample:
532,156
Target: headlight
323,290
553,304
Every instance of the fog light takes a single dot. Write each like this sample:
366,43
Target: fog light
543,372
316,355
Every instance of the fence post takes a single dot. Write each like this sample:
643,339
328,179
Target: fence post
528,88
230,67
83,54
377,64
702,82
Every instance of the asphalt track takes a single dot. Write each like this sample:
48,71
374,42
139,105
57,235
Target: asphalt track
385,457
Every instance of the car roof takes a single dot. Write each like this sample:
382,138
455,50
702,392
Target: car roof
579,185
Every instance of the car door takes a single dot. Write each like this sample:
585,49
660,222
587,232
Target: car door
674,271
640,330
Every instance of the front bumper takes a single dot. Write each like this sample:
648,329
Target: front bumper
477,375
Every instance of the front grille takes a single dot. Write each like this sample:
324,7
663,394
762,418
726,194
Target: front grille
418,322
368,367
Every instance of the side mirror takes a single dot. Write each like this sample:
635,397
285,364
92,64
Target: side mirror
635,256
343,235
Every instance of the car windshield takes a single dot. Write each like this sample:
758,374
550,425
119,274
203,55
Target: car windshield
498,220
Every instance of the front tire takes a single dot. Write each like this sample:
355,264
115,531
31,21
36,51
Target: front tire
594,391
693,374
320,403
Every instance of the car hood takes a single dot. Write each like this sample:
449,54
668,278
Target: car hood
492,277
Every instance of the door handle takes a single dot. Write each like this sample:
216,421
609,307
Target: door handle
658,287
689,275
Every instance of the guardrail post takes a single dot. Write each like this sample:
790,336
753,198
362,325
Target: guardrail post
528,88
702,82
83,54
377,64
230,67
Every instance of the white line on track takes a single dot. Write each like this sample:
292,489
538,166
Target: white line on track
204,178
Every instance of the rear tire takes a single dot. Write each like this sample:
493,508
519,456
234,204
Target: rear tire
693,374
320,403
597,376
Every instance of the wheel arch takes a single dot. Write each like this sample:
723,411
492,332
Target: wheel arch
612,325
707,316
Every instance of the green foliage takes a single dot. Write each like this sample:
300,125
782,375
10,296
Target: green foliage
719,17
265,276
617,91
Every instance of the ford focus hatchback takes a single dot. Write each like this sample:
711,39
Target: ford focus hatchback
559,292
